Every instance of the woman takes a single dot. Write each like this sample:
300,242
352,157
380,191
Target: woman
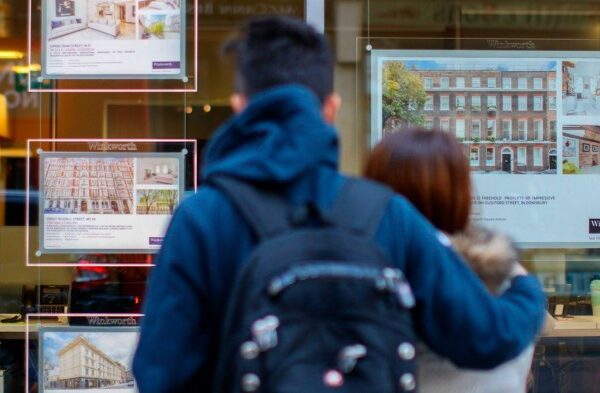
431,170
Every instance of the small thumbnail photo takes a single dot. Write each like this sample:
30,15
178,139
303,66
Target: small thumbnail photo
157,171
77,185
156,201
88,361
581,150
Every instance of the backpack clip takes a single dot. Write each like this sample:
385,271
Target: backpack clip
264,331
349,356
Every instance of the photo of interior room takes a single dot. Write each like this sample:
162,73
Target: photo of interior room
158,5
159,26
157,171
581,150
90,20
581,88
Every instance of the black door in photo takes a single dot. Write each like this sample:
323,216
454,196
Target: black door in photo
506,162
552,161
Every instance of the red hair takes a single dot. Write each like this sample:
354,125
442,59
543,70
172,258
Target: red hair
431,170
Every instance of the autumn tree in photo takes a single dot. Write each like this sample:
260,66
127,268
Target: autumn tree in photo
148,198
403,97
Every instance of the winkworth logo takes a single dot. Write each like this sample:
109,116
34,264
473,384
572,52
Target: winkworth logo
594,225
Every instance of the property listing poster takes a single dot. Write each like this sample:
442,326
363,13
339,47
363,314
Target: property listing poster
105,354
113,38
530,126
107,202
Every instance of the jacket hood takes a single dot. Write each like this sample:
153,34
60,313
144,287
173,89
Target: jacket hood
280,137
491,255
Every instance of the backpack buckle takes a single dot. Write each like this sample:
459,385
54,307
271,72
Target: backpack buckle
394,281
349,356
264,331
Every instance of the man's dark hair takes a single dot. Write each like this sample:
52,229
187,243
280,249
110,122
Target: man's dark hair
273,51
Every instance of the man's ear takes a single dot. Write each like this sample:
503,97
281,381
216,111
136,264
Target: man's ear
238,102
331,107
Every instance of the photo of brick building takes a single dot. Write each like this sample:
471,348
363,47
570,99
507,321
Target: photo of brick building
77,185
504,114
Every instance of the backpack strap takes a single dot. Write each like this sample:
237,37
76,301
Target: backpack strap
262,208
361,206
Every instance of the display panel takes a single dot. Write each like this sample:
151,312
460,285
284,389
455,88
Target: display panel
86,360
113,39
527,121
104,202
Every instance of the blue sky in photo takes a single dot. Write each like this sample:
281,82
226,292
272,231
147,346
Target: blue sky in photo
120,346
480,64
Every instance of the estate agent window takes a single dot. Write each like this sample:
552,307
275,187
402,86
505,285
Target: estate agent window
460,82
538,83
491,83
491,102
476,82
445,82
506,83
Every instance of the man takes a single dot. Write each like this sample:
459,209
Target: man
282,134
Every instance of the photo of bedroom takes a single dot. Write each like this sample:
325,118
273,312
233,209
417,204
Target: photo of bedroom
90,20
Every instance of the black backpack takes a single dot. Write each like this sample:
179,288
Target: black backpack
318,307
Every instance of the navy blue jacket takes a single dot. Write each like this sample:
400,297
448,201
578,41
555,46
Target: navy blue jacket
281,137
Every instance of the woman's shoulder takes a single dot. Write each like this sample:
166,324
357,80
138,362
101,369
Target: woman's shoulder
489,253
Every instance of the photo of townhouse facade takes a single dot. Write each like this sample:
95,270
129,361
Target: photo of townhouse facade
504,115
82,365
75,185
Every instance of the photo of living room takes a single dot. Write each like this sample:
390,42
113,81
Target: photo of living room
581,88
158,5
90,20
159,26
581,150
